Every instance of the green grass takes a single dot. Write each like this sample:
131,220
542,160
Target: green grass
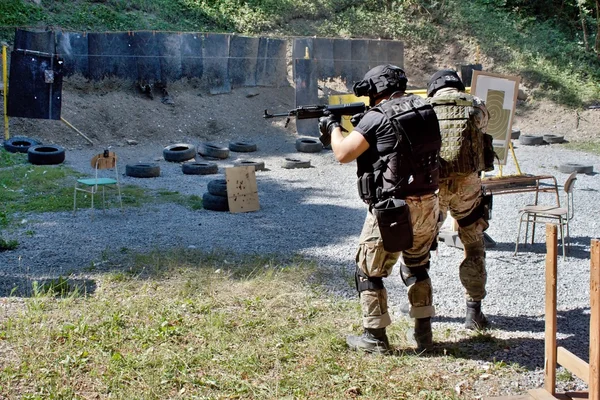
587,147
34,188
6,245
185,324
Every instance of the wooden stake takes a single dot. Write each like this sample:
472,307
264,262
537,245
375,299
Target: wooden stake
76,130
550,336
595,321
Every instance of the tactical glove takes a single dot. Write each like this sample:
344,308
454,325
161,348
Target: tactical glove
326,126
356,118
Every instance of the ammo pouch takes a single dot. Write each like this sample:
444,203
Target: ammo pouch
367,191
393,219
487,203
488,152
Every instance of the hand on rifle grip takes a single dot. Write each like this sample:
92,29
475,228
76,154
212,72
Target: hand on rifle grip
326,125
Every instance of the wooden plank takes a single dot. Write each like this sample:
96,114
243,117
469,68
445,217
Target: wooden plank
574,364
594,380
577,395
242,191
541,394
550,335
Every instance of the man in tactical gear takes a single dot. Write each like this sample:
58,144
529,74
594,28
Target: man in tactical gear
463,122
381,144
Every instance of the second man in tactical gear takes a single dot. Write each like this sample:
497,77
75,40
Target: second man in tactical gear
396,145
464,154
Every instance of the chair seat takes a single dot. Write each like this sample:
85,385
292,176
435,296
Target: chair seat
542,209
99,181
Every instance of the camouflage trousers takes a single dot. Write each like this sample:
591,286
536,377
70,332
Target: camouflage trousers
374,261
461,195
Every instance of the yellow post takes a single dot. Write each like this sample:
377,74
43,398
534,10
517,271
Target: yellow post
5,88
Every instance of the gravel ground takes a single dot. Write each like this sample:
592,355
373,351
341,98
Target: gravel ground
316,212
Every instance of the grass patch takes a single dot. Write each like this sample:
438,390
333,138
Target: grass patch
8,159
6,245
586,147
187,324
34,188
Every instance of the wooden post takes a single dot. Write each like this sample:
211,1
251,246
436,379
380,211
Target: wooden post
594,384
550,332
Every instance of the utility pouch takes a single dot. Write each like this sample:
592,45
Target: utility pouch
487,203
393,219
366,187
488,152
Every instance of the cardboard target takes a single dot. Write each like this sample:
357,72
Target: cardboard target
500,95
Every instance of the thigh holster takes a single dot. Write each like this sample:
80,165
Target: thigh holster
364,282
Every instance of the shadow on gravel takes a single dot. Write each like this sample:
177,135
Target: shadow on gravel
572,334
578,248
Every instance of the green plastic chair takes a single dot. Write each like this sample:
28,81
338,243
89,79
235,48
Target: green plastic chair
103,161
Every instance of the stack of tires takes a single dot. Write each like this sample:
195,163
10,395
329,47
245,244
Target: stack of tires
216,197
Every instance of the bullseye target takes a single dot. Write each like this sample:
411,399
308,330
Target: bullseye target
499,92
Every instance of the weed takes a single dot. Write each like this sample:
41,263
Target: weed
6,245
587,147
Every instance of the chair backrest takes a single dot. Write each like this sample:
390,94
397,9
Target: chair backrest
569,186
570,182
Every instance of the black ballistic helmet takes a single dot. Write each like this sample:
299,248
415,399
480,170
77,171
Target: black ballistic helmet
380,81
442,79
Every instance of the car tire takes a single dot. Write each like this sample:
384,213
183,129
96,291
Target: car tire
550,139
199,168
516,132
308,145
569,168
142,170
291,163
218,187
214,203
45,154
242,147
179,152
531,140
258,165
213,151
19,144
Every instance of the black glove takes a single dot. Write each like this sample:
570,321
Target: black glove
326,126
356,118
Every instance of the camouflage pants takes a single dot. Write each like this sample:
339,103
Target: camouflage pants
374,261
461,195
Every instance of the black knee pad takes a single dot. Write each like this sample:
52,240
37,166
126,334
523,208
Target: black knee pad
364,282
412,275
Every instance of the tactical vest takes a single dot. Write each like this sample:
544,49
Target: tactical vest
412,168
462,141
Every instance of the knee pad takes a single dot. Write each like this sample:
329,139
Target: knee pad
364,282
412,275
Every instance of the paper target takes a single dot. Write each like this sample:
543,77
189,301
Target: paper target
499,93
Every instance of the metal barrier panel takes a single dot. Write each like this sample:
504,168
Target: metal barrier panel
342,61
169,51
395,52
192,63
145,49
306,94
302,48
378,53
110,55
243,53
323,54
34,92
42,41
72,47
216,56
360,60
271,67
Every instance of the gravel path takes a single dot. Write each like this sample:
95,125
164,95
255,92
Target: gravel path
316,212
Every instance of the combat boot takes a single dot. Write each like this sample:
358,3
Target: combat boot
475,319
371,341
422,334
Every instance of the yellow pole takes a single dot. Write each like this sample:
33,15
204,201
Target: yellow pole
512,149
5,88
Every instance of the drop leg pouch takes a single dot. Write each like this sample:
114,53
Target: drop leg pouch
393,219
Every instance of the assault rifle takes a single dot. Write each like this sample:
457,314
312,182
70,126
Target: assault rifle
318,111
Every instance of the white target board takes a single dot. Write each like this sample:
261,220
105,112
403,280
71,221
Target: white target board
500,95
